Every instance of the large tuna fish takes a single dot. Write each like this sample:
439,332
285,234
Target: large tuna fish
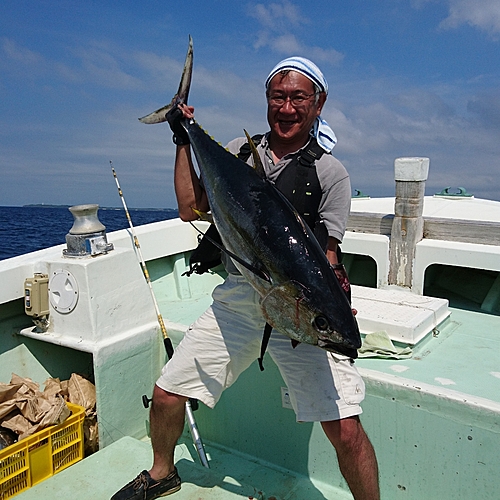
271,245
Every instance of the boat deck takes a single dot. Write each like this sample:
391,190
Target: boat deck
434,419
230,477
462,357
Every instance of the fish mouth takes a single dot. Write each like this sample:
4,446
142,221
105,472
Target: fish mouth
345,349
325,341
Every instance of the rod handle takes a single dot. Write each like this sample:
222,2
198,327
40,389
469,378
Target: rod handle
169,348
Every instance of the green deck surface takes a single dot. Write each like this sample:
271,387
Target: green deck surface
231,476
464,357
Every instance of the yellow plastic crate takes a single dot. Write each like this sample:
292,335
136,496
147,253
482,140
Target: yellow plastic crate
42,455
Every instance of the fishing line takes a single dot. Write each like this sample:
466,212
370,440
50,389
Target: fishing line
166,339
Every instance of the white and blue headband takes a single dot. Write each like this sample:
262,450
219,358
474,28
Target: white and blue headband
304,66
324,134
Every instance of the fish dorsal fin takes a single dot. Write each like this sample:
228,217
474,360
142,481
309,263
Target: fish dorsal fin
257,163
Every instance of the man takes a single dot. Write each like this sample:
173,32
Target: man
226,339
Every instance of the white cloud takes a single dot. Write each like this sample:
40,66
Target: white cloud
95,62
483,14
456,128
14,52
286,44
486,107
103,64
20,62
279,25
277,14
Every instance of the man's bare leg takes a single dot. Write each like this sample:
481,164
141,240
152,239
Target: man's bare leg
167,423
356,456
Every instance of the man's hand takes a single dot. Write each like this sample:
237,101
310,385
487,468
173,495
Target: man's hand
174,118
341,274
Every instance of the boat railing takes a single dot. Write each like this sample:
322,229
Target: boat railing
435,228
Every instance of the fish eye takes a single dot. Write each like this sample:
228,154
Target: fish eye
321,323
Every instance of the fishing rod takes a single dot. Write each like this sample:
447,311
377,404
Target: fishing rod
167,342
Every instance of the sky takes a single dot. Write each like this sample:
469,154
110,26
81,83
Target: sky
407,78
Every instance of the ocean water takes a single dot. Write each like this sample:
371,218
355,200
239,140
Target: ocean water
29,228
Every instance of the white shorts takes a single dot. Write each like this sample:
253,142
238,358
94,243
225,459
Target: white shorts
226,339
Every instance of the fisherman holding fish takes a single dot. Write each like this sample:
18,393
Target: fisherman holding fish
324,386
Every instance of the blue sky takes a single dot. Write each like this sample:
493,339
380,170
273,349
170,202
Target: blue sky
406,77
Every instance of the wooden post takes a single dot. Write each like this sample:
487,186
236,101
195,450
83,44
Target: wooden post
410,175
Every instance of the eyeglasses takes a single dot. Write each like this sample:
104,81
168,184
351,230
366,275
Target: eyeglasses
297,100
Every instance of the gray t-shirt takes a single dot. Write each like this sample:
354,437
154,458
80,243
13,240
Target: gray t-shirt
333,178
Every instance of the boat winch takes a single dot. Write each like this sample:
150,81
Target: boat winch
87,236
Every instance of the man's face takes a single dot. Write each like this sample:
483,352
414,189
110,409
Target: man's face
289,122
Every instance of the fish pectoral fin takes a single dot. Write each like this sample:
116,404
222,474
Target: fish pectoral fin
255,270
205,216
257,163
160,115
258,272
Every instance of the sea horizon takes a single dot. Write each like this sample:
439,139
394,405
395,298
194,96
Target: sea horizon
28,228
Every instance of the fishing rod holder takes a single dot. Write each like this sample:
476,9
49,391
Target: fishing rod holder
87,236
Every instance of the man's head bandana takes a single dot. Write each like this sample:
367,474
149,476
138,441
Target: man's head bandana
304,66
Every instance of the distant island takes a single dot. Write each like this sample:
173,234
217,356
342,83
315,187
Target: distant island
46,205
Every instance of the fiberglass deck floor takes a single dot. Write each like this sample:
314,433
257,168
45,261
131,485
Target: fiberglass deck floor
463,357
230,477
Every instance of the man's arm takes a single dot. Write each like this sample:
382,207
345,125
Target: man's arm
188,190
338,269
331,250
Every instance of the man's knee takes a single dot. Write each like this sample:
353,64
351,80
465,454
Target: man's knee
344,434
167,399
